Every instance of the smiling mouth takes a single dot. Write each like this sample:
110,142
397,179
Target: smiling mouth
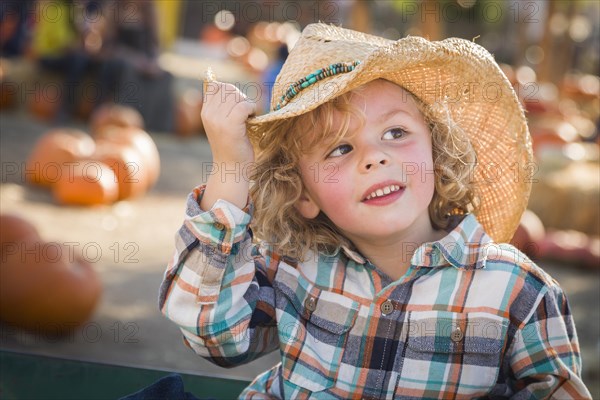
384,191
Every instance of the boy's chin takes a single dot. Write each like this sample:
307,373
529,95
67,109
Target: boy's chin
374,231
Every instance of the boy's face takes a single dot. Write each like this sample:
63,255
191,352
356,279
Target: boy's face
377,183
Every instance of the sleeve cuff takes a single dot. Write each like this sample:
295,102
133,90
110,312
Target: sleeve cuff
222,226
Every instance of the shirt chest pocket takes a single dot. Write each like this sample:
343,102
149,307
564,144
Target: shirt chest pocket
313,326
447,349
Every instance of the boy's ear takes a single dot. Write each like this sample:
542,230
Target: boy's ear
306,206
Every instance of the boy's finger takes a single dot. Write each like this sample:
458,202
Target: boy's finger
251,108
243,109
209,77
211,88
229,90
247,108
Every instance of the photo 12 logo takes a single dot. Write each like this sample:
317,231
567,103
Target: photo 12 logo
64,332
225,13
54,252
53,172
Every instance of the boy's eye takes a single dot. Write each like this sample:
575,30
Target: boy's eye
340,150
394,133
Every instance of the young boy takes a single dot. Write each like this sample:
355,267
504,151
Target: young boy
386,180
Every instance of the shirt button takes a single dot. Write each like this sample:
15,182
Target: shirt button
310,303
219,226
456,335
387,307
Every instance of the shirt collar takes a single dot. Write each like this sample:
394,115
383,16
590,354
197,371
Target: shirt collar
353,255
465,247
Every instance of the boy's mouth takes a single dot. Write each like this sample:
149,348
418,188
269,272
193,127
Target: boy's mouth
382,190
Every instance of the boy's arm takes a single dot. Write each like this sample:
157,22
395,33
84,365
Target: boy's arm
544,357
216,290
224,116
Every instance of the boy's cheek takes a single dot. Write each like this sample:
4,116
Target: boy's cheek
421,170
322,173
333,190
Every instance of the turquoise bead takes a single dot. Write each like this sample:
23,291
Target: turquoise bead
310,79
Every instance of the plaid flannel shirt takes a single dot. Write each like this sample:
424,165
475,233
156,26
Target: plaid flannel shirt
469,319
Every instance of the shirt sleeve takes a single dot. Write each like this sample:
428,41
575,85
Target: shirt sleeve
544,358
216,287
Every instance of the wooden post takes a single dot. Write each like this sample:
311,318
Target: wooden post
360,16
430,19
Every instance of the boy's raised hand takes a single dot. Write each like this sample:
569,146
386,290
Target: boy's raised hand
224,116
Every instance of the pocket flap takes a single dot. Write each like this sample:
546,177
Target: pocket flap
329,311
436,332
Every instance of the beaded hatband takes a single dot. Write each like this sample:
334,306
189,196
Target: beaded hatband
313,78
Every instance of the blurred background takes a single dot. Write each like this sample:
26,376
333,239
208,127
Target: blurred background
101,140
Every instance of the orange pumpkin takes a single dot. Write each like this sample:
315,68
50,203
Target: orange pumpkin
139,140
90,183
54,151
14,229
47,287
128,166
44,103
115,115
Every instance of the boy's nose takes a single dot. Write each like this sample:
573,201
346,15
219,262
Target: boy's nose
373,160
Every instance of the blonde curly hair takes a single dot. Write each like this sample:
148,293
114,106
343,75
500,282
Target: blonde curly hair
277,181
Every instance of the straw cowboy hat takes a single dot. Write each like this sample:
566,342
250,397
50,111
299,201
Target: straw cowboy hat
328,61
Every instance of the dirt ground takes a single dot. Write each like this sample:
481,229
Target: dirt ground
132,242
